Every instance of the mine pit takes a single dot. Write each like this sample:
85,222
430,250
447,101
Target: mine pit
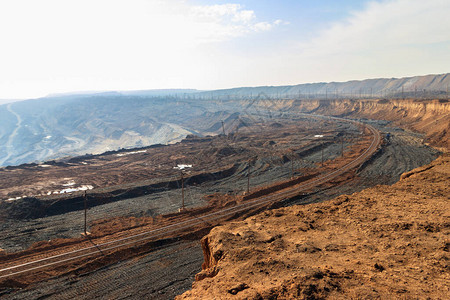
143,191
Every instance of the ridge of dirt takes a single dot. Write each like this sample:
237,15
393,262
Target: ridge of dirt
382,242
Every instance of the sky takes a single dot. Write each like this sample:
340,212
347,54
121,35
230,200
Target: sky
57,46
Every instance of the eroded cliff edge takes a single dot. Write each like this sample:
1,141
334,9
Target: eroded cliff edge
384,242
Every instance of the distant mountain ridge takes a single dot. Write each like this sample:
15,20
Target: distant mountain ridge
382,87
153,92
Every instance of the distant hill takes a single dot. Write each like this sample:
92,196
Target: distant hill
155,93
94,122
418,86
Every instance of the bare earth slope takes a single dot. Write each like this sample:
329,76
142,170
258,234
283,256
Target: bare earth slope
384,242
431,117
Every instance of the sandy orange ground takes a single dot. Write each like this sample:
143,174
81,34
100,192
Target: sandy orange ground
386,242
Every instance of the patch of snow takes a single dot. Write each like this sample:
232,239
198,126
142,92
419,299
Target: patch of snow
318,136
48,137
132,152
45,166
13,199
70,190
182,167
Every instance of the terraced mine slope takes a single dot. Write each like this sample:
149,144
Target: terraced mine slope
138,190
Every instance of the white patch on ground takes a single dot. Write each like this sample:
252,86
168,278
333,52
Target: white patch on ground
44,166
132,152
182,167
13,199
70,190
318,136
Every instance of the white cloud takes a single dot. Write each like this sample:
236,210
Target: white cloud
245,16
225,21
263,26
222,12
388,37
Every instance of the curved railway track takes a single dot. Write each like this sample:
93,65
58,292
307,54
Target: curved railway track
39,263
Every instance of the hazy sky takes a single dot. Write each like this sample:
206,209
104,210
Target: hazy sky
51,46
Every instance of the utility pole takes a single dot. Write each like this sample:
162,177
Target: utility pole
292,166
86,233
223,128
322,154
248,178
181,167
182,191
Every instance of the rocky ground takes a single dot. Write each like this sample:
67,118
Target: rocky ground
383,242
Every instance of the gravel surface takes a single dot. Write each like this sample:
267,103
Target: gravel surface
161,274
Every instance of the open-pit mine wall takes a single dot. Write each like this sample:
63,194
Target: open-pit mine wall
430,117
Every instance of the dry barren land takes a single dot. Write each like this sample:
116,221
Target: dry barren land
389,241
383,242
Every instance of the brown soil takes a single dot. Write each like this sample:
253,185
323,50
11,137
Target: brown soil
383,242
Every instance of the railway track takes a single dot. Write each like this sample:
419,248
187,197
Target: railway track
40,263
